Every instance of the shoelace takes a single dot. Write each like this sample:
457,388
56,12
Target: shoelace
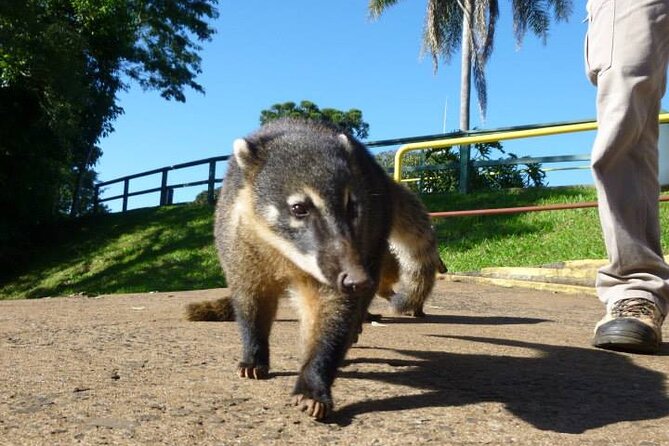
634,308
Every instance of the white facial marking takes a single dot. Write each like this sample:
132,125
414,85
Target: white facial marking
241,207
296,198
295,223
271,214
307,262
315,197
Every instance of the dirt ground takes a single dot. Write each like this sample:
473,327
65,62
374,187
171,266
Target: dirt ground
490,365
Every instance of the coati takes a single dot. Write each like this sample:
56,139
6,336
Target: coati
305,210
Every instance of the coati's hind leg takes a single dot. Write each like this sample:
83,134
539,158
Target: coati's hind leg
255,309
329,323
390,275
414,244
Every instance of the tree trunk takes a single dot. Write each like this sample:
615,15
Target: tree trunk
465,89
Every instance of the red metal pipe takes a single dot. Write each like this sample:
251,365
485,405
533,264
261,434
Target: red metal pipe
517,210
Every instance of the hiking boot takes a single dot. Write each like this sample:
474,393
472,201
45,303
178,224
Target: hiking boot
632,325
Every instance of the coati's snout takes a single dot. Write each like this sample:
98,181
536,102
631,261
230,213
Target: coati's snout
351,284
353,281
341,264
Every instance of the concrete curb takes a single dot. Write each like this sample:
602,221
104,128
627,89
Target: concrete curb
573,276
515,283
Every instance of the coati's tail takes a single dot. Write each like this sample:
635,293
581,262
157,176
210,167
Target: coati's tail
414,244
211,310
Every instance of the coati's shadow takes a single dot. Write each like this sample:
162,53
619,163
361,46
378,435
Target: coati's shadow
279,374
461,320
563,389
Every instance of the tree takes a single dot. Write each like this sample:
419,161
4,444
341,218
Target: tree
350,121
62,64
470,25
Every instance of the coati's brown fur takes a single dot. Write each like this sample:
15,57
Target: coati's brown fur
306,211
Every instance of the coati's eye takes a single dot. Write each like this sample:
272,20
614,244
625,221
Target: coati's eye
299,210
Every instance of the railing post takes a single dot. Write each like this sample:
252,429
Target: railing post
126,189
465,155
163,188
212,182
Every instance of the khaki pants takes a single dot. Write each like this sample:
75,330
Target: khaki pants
627,48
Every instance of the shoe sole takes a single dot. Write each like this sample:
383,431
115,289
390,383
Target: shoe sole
626,335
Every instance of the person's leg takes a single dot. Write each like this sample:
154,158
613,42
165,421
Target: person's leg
627,52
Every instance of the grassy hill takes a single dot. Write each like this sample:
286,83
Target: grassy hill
528,239
171,248
152,249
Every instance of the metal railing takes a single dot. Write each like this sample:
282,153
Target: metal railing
440,141
501,135
512,133
522,209
166,190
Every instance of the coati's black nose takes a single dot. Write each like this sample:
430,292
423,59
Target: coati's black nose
352,282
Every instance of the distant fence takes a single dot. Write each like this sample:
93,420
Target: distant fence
430,141
166,190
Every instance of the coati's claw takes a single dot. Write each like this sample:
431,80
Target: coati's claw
253,372
313,408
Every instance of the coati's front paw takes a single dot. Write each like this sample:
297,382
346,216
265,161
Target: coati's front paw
312,397
313,408
252,371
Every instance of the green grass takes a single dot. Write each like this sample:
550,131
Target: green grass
528,239
154,249
171,248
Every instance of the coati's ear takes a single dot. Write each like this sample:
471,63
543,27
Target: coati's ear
346,141
245,152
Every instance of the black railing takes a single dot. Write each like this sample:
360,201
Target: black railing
166,190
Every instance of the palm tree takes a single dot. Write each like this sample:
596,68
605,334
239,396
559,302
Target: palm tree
470,25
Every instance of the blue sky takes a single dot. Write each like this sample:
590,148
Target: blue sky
331,53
